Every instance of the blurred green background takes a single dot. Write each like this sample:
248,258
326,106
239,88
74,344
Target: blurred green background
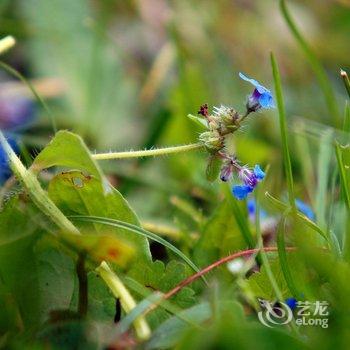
125,74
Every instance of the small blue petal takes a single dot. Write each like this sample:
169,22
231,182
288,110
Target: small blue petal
263,94
261,89
266,100
241,191
291,302
259,172
252,81
305,209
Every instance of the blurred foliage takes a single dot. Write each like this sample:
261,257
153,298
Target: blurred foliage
124,75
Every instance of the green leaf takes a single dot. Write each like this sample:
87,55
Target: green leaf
76,334
220,237
78,194
67,150
229,313
161,277
260,284
169,332
199,121
139,231
38,277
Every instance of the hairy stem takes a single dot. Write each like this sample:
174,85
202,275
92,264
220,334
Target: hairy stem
147,153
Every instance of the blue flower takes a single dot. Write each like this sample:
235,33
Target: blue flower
305,209
260,97
291,302
250,179
258,172
241,191
5,171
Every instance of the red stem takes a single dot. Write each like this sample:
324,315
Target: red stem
224,260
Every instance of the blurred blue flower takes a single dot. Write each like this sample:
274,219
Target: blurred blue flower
5,171
250,179
305,209
251,206
16,111
260,97
291,302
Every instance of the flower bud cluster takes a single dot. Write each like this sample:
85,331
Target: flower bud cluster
223,121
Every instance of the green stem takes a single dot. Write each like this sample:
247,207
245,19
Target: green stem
19,76
314,63
38,195
263,254
128,303
147,153
342,174
346,80
283,130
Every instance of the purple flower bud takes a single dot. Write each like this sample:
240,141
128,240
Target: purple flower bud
226,172
248,177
